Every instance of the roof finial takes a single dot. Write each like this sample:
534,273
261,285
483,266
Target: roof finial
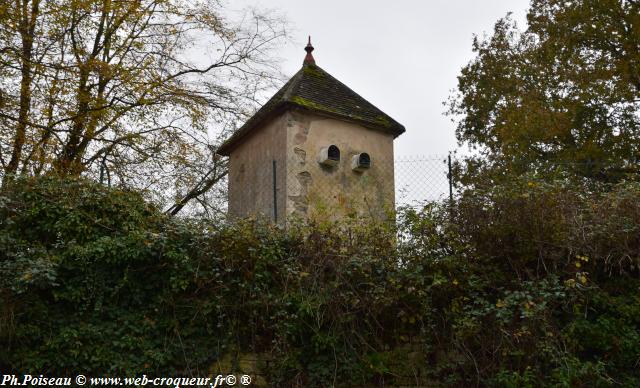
308,60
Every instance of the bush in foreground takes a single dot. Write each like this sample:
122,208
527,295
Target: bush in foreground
522,285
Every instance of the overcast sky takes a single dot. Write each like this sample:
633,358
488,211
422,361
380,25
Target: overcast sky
403,56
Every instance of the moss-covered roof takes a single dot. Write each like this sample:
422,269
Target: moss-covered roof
315,90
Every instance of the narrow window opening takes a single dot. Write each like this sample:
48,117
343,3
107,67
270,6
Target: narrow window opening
333,153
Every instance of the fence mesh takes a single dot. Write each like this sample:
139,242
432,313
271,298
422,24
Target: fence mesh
421,178
280,188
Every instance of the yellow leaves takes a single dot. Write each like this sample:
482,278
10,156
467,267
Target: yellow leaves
500,304
580,259
455,282
583,278
521,333
100,67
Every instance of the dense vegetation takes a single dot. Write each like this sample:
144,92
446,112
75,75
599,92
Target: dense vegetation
531,283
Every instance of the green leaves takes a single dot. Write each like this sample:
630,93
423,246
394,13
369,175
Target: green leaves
95,280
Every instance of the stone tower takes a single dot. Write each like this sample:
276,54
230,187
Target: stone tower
315,149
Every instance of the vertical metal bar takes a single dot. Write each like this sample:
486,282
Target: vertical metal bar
450,176
275,196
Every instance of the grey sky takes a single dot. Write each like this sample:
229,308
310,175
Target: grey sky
403,56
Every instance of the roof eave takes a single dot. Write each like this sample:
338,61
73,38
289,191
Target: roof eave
248,128
396,129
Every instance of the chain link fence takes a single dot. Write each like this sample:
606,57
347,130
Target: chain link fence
356,184
422,178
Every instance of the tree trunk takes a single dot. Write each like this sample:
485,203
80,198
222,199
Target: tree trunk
27,26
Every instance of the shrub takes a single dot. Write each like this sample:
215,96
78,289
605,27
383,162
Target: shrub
526,284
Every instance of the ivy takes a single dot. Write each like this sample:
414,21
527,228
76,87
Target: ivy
98,281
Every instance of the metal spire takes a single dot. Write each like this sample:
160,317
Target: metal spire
309,60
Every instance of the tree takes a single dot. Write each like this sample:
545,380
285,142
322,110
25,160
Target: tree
565,92
129,92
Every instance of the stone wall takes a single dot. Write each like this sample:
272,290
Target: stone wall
251,171
305,188
318,191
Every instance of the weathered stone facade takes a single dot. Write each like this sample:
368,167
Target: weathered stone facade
315,190
251,171
303,187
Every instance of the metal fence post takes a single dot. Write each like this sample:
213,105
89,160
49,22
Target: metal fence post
275,194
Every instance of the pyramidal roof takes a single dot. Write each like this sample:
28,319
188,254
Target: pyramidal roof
315,90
